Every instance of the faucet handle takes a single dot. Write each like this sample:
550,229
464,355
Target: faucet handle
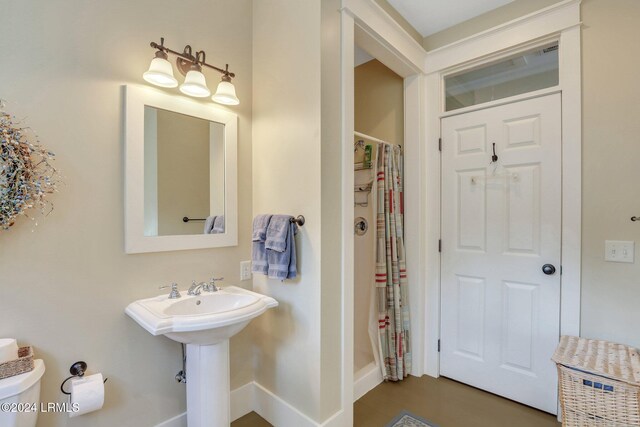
175,293
211,287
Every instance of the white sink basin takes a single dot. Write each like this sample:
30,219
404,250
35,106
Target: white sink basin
200,319
204,323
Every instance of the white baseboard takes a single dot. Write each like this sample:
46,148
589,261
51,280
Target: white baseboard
336,420
254,397
365,380
177,421
277,411
242,400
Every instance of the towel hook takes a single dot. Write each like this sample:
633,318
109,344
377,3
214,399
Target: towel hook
494,158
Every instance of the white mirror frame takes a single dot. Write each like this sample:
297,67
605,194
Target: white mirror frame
135,241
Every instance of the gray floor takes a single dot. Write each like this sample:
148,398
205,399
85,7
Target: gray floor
441,401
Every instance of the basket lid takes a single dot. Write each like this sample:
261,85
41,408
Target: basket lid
608,359
15,385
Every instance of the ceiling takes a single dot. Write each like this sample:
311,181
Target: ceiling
361,56
431,16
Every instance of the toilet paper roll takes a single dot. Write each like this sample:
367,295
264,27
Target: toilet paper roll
87,394
8,349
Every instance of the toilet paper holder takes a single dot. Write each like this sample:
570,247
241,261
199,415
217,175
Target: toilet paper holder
77,370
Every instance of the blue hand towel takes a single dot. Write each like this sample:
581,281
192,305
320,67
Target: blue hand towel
218,225
282,264
277,233
260,225
259,262
208,224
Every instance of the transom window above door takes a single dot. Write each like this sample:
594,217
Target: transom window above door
527,71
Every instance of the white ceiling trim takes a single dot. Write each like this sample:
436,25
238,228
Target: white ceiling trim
535,26
432,16
377,24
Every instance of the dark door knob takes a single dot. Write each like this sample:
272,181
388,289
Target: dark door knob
548,269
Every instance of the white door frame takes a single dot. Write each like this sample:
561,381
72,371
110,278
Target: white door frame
368,24
560,22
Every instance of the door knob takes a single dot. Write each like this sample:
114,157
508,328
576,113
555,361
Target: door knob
548,269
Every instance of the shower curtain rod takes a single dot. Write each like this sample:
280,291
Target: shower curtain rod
371,138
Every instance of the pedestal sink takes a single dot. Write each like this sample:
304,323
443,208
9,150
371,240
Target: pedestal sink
204,323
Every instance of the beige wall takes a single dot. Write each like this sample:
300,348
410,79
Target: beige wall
296,158
379,112
611,154
286,180
332,237
610,107
65,285
379,102
183,173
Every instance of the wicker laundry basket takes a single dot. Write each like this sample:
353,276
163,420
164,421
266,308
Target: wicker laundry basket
599,383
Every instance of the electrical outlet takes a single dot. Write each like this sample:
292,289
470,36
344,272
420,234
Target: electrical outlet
618,251
245,270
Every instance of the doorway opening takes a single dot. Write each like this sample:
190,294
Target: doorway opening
379,122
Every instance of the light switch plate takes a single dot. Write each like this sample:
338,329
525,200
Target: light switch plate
245,270
618,251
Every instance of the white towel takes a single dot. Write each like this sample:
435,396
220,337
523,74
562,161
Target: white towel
208,224
218,225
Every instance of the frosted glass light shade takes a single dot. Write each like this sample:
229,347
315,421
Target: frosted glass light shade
160,73
226,94
195,85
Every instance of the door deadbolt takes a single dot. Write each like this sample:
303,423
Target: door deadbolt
548,269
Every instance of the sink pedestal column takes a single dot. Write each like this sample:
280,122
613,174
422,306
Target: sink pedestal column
208,386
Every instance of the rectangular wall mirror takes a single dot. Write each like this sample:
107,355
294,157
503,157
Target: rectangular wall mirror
181,169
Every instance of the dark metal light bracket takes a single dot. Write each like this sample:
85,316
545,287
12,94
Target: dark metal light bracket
187,60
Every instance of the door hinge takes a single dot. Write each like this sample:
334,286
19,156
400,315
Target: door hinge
439,144
438,346
561,270
439,245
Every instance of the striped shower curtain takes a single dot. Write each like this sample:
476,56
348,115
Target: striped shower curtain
394,339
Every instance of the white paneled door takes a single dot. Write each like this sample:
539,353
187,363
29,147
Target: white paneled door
501,228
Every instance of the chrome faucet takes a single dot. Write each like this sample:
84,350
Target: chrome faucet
196,288
175,293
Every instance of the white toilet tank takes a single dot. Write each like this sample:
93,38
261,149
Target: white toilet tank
20,391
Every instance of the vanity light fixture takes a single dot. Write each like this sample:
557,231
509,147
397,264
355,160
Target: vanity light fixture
195,83
226,92
160,73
